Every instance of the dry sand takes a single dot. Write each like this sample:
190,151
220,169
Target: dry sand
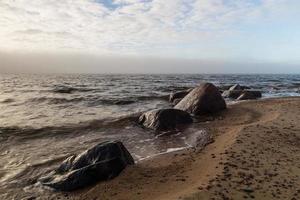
255,155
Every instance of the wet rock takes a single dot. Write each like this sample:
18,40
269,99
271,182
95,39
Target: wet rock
102,162
250,95
164,119
232,94
242,94
235,87
205,98
239,87
178,95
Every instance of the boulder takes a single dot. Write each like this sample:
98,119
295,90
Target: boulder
250,95
164,119
102,162
205,98
178,95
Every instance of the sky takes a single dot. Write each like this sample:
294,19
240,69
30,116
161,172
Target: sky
150,36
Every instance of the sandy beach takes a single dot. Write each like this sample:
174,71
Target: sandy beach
255,155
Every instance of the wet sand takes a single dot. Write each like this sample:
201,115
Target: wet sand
255,155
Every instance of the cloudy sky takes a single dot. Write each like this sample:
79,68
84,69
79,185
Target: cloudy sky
247,33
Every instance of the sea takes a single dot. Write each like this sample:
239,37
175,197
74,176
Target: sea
46,118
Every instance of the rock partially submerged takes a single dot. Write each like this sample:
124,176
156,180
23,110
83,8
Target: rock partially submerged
239,87
242,94
250,95
232,94
164,119
102,162
239,92
204,99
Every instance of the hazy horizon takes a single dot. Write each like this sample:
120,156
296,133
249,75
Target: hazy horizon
153,36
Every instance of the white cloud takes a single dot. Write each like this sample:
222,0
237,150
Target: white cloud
126,26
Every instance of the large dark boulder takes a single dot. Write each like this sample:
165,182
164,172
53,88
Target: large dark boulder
164,119
247,95
205,98
102,162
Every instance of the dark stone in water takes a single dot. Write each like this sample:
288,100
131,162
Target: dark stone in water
239,87
242,94
235,87
233,94
100,163
164,119
250,95
204,99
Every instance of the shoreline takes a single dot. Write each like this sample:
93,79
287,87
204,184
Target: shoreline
232,167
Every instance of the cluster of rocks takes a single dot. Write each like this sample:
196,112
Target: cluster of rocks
239,92
204,99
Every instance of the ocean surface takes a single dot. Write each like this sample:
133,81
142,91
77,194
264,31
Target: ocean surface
46,118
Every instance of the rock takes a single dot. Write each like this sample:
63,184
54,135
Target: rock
205,98
178,95
102,162
250,95
235,87
239,87
164,119
233,94
242,94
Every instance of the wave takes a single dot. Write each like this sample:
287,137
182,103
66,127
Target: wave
154,97
55,100
95,101
25,133
68,90
9,100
